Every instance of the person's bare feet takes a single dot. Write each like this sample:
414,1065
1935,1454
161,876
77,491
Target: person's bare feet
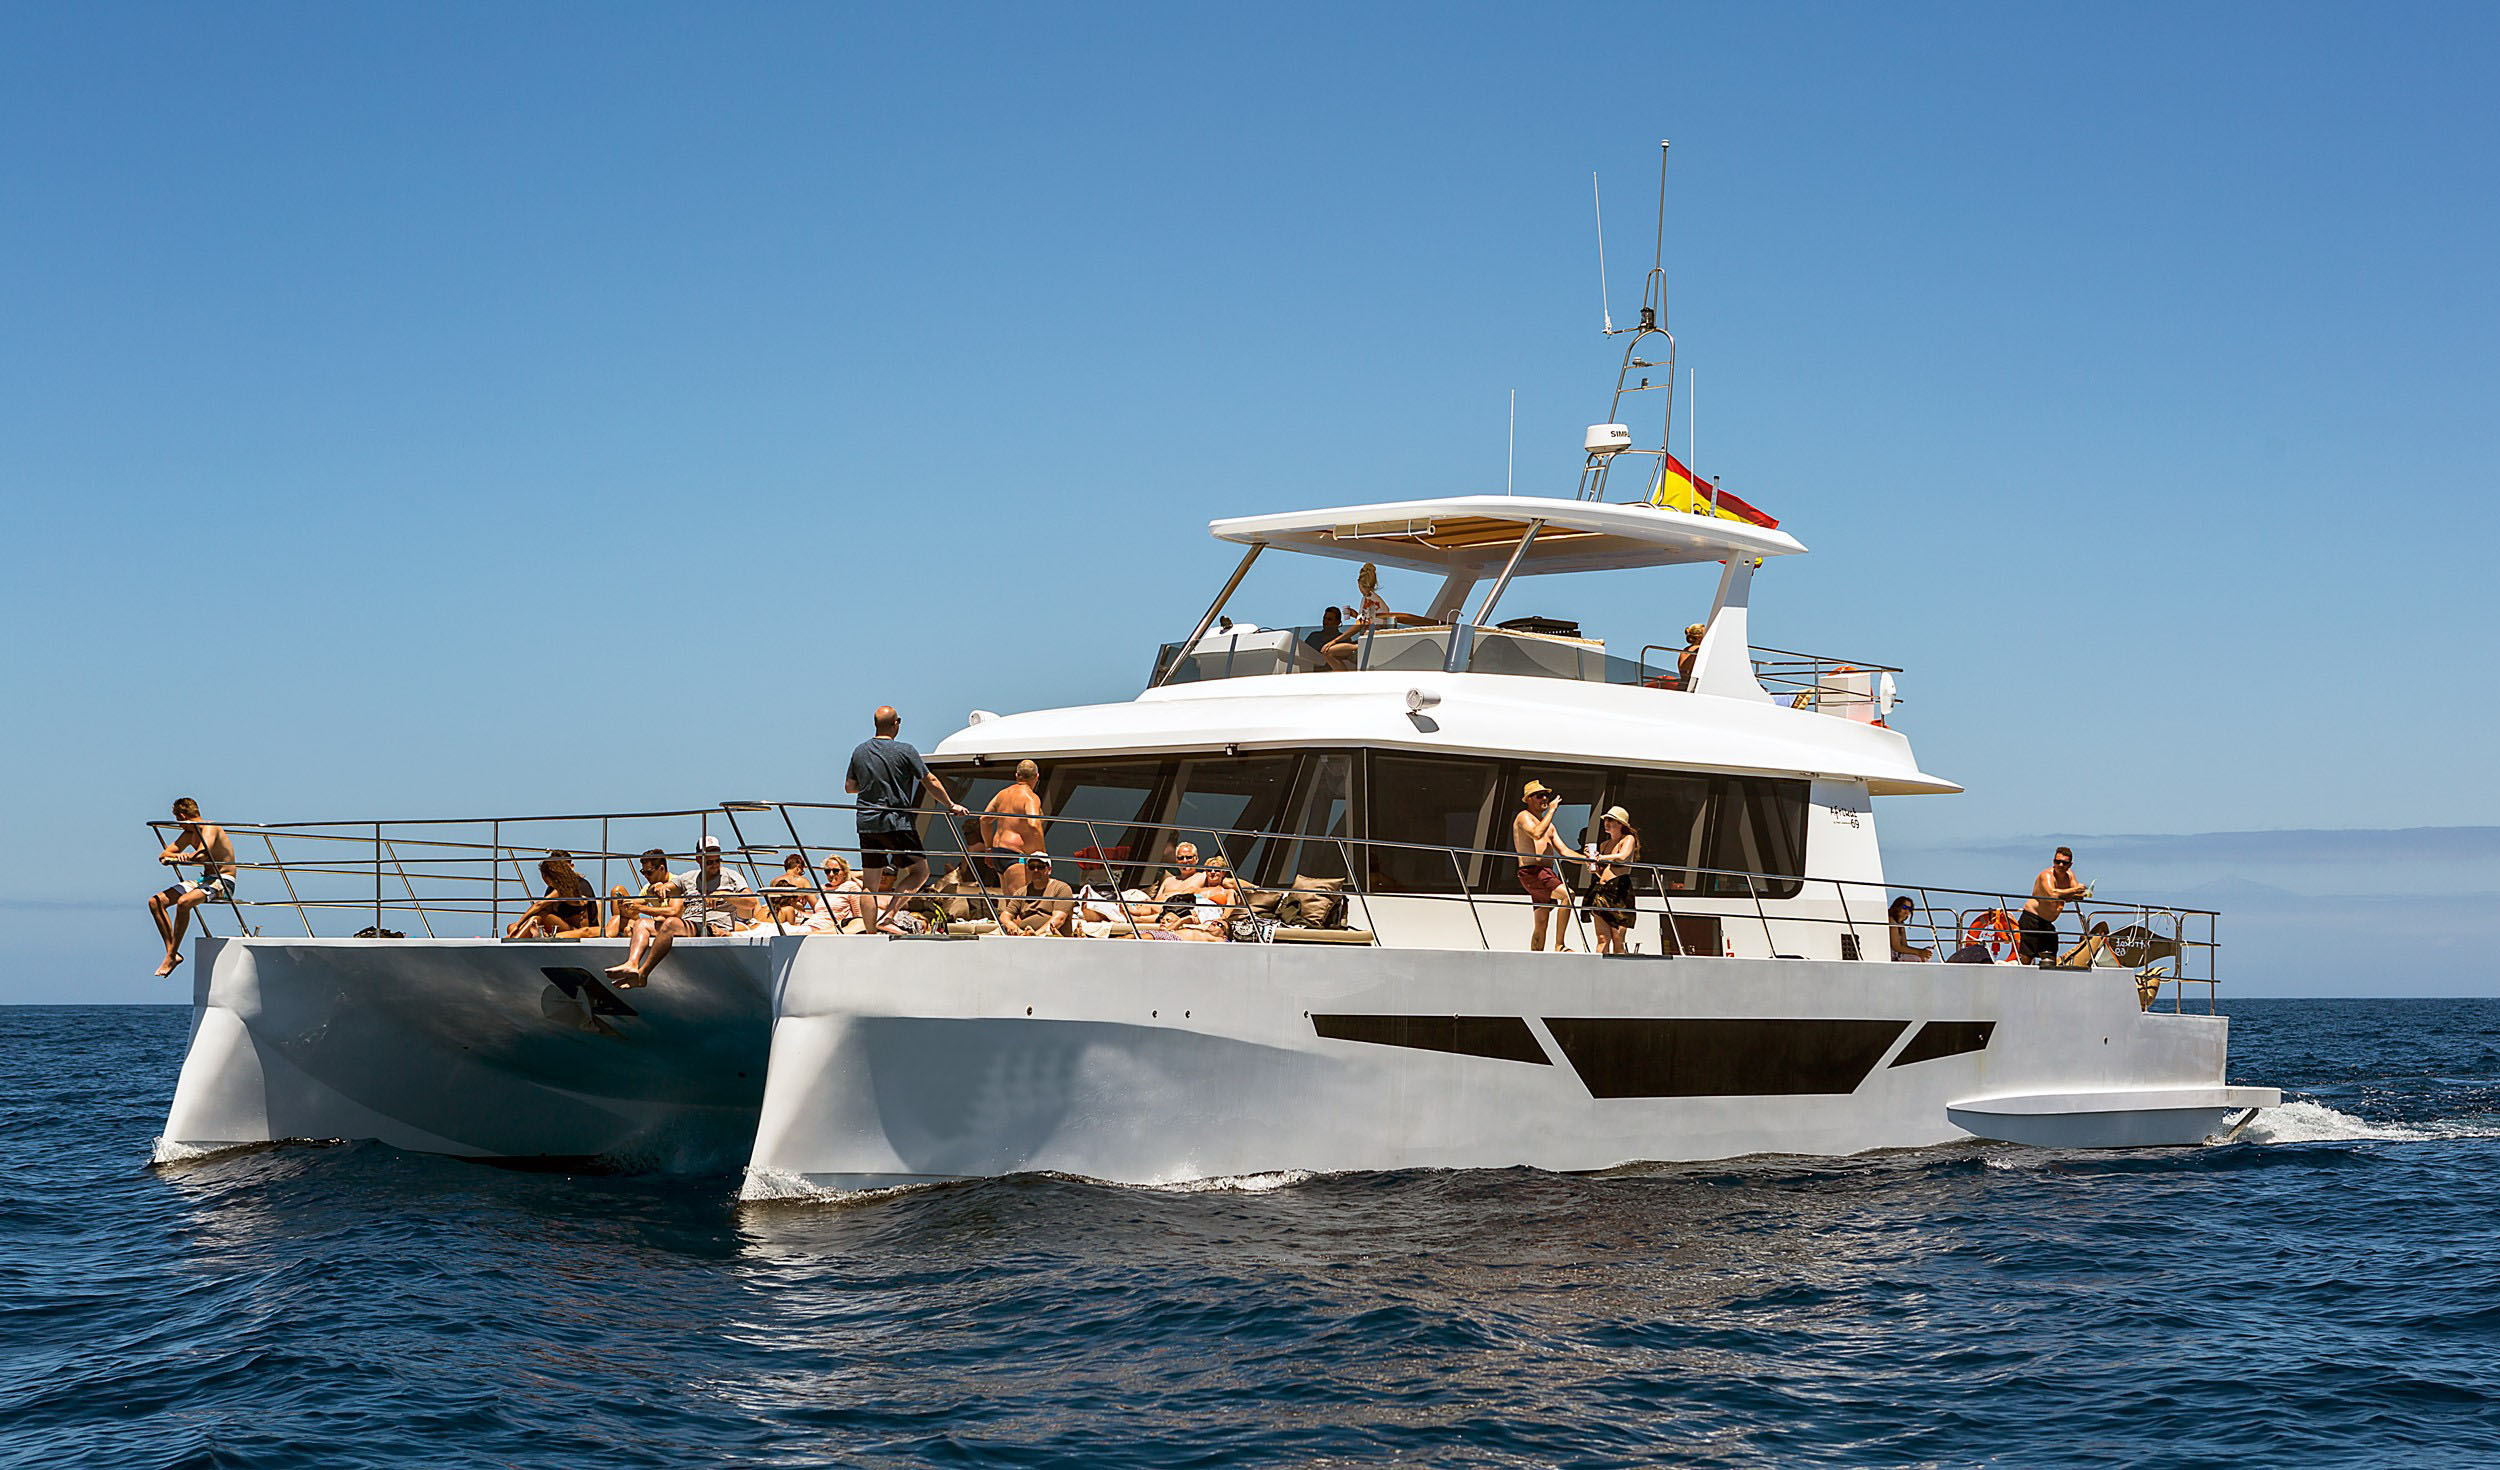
630,980
621,973
167,968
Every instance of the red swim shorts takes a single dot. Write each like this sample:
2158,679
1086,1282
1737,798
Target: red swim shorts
1540,881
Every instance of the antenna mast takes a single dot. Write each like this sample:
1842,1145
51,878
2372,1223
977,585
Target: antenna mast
1605,308
1607,440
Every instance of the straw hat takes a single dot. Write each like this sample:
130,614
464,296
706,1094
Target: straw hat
1536,788
1618,814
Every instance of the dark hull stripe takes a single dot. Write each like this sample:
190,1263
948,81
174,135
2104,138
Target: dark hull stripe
1650,1057
1946,1039
1501,1038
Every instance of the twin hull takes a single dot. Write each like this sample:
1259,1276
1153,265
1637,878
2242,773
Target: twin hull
851,1063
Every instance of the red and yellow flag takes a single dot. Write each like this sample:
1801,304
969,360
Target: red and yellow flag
1676,490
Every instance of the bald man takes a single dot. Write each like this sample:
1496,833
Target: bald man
1011,827
888,777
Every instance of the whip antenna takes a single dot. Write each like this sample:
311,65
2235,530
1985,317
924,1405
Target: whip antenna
1605,308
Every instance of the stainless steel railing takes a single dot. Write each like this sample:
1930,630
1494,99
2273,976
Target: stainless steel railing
461,877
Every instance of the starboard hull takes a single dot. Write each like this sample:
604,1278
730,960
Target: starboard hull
906,1062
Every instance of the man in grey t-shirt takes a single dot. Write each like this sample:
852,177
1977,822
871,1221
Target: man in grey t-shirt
888,776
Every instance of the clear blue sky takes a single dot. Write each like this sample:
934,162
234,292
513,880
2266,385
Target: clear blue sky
414,410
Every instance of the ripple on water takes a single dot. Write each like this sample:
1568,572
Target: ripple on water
2320,1291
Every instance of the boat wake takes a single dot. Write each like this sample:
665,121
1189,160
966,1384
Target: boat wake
2309,1122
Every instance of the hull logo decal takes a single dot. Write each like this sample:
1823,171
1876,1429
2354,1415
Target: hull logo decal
589,989
1498,1038
1946,1039
1648,1056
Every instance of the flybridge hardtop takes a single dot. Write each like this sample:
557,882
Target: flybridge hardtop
1481,533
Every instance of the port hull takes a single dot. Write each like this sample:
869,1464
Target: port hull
477,1048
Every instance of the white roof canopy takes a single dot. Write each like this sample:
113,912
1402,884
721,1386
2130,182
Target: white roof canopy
1478,533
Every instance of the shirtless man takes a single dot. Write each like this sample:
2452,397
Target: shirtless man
204,843
2050,893
1012,828
1532,837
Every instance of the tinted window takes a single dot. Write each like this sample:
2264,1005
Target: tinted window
1758,826
1435,805
1096,808
1321,806
1671,812
1217,793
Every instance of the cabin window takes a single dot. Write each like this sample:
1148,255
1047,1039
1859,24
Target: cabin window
1420,808
1096,808
1322,803
1672,813
1220,795
1758,827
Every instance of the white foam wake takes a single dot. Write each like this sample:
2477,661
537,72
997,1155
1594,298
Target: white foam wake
169,1152
2309,1122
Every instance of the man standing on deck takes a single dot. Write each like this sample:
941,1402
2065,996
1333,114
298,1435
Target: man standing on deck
1532,837
205,843
2049,895
1011,825
888,777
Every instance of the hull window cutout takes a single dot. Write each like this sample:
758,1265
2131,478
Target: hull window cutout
1654,1057
1848,946
1946,1039
1498,1038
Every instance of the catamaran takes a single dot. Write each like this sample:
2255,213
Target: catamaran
1379,1001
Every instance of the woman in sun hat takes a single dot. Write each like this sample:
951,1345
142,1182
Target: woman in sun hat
1610,889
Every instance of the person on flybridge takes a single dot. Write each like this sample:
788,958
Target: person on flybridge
205,843
888,776
1372,616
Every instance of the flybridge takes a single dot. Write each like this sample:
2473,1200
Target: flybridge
1481,533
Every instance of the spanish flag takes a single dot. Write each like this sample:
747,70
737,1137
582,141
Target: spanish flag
1676,490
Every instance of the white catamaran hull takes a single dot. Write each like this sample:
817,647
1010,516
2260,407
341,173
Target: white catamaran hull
475,1047
902,1062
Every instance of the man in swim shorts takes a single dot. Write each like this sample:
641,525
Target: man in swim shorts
1532,837
205,843
2050,893
1011,825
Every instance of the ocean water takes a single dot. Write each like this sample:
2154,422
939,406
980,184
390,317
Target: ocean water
2326,1292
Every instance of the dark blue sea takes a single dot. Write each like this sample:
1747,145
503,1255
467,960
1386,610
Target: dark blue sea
2326,1293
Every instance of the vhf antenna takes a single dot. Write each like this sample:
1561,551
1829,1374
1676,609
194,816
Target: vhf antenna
1604,307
